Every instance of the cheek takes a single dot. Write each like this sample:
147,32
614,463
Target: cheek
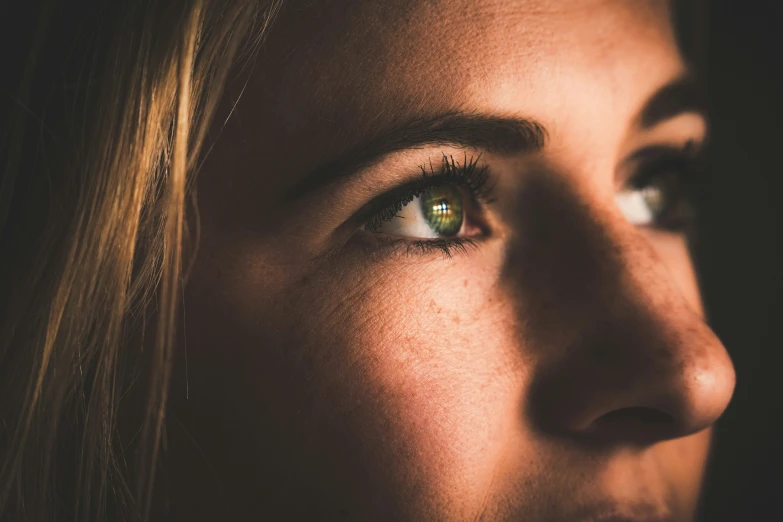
428,388
406,388
684,461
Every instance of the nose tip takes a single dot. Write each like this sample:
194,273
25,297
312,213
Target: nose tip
706,389
640,383
613,319
688,401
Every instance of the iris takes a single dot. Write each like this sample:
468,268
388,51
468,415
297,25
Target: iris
443,210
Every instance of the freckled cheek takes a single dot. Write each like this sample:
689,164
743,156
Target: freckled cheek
437,370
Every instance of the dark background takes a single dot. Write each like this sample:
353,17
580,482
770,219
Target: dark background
737,46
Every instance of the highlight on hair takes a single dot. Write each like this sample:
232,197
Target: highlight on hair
106,123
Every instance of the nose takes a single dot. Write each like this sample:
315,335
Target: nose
621,353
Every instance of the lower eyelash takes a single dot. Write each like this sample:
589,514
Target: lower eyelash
448,247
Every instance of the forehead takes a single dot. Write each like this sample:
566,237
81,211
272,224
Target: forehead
335,72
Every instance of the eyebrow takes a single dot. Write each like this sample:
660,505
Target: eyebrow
683,95
455,128
484,132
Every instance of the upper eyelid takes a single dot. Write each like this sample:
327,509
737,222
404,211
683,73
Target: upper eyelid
674,133
690,148
456,129
633,166
423,171
384,201
386,173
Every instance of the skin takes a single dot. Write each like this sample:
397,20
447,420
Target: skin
561,370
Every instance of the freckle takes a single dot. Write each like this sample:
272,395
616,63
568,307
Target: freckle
465,282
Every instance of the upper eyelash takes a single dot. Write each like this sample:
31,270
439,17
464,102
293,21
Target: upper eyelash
687,160
467,174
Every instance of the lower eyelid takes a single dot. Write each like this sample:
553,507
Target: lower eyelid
385,247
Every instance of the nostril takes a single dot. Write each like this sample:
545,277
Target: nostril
638,424
638,414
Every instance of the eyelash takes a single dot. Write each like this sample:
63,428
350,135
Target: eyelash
683,164
468,175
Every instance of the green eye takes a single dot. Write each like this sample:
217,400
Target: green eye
442,209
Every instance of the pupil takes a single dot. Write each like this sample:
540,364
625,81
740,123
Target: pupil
442,208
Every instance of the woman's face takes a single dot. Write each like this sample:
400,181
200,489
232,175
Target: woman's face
443,273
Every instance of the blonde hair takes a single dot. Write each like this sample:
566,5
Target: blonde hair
92,217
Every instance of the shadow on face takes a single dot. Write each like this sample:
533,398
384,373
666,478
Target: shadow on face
444,274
